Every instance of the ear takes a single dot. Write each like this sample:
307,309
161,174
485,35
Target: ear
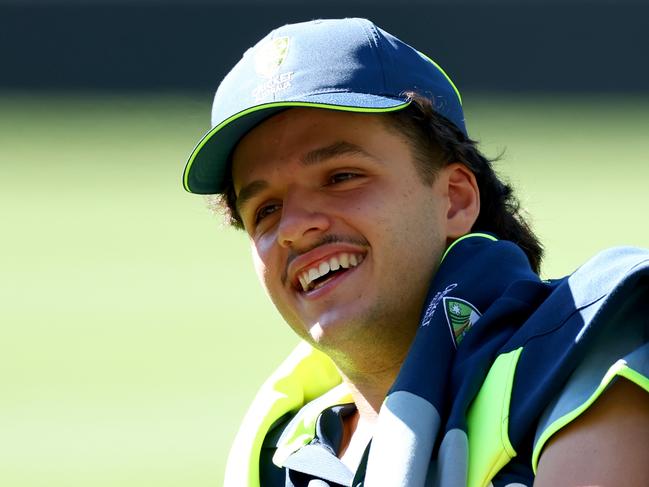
463,200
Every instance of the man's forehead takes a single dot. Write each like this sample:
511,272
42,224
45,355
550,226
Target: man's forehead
296,132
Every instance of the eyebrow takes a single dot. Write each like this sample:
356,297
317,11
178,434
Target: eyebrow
337,149
316,156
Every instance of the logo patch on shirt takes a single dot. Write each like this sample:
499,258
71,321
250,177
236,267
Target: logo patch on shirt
460,316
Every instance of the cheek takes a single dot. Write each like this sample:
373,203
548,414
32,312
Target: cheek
263,249
271,283
268,261
261,264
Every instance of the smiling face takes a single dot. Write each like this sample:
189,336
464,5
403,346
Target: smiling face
345,234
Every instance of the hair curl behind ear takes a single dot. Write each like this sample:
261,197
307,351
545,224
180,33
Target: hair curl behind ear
436,142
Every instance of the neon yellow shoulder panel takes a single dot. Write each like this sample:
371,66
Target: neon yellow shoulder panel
487,422
301,430
303,376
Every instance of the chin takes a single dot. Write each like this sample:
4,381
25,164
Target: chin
333,336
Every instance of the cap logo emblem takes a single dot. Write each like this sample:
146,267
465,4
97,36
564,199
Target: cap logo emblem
270,56
268,59
460,316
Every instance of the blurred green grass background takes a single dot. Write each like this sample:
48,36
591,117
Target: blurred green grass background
133,331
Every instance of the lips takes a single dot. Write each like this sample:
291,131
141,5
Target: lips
315,275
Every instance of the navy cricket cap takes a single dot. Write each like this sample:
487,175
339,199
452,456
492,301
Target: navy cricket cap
347,64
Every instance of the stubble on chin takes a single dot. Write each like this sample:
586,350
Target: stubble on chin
368,344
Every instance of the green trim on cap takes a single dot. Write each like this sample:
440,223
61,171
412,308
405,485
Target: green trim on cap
448,78
292,104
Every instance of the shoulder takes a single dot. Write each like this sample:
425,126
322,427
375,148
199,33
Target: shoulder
577,370
596,430
606,445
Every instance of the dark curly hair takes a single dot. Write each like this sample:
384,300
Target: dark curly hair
436,142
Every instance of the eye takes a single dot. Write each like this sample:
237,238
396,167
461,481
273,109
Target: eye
340,177
266,210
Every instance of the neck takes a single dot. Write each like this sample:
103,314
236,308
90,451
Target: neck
368,392
370,371
370,388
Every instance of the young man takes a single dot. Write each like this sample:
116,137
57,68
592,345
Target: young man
433,354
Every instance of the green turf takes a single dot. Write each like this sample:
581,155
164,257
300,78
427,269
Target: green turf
133,331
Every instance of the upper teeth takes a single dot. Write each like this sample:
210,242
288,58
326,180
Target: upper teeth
343,260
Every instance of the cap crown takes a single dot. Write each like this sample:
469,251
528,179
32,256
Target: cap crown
341,64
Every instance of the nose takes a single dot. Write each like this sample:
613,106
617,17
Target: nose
303,217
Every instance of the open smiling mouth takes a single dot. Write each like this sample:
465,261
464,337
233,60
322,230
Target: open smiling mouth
318,275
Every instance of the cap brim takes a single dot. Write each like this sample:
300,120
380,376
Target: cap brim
206,166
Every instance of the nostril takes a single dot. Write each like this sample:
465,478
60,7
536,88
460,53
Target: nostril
296,225
285,242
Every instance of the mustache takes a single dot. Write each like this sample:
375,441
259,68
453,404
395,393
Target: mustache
324,240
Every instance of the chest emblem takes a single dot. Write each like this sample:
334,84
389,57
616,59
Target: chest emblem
460,316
